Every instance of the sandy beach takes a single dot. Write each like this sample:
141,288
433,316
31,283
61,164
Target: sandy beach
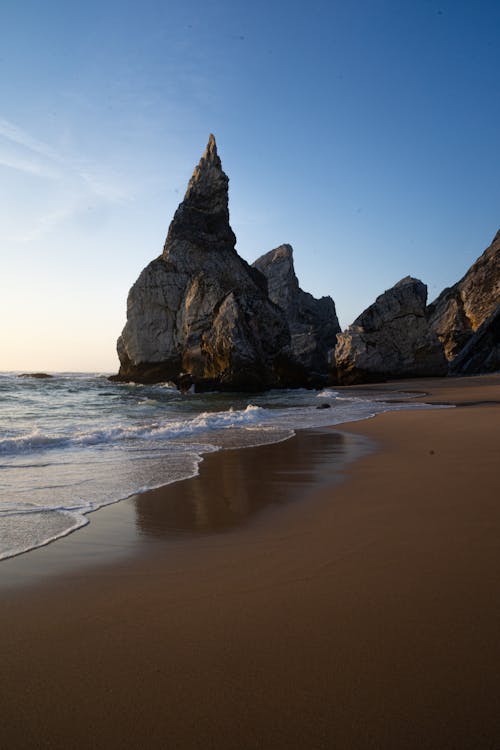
338,590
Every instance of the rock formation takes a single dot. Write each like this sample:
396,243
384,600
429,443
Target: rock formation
199,313
391,339
313,322
481,353
462,308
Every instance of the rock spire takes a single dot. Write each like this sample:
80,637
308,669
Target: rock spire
199,313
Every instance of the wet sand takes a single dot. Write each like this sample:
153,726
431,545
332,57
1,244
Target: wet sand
270,603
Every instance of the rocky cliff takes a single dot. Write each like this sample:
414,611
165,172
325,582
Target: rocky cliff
313,322
481,353
199,313
391,339
462,308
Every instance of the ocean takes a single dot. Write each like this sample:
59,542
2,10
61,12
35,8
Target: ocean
75,442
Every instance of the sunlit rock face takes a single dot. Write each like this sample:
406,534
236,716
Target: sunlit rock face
391,339
461,309
313,322
481,353
199,313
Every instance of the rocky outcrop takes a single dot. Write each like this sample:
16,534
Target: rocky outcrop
482,351
462,308
199,313
391,339
313,322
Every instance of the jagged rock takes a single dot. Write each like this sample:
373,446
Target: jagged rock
313,322
482,351
391,339
462,308
199,313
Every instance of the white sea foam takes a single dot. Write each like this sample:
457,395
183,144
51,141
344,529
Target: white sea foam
73,443
165,430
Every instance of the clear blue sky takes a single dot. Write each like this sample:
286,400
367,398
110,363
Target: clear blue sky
365,134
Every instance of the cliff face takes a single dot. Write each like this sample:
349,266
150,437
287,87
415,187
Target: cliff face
199,312
482,351
462,308
313,322
390,339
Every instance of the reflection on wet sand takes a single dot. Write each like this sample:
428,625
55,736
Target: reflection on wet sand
227,492
233,486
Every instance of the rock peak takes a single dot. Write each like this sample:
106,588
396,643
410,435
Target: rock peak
208,178
202,219
211,149
209,166
407,280
278,255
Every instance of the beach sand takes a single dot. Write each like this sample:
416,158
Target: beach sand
300,602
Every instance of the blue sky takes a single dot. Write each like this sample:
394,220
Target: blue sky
365,134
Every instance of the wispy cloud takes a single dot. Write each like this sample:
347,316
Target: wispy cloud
49,220
80,181
29,164
15,134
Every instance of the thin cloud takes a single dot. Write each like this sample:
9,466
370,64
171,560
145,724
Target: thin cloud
81,181
11,132
55,165
44,224
28,164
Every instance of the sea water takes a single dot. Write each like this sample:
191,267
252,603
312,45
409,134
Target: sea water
75,442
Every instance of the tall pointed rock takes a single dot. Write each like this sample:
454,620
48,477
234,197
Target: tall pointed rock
202,219
199,312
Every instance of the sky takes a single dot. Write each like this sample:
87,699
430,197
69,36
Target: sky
364,134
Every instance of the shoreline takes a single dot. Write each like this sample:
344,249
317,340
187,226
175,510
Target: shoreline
182,512
363,615
32,558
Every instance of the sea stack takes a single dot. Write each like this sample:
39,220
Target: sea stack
199,313
313,322
391,339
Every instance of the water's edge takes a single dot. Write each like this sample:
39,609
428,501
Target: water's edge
68,452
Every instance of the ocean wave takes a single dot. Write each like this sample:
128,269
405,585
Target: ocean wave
64,455
203,422
35,440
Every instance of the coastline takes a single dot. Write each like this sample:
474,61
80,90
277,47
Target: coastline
226,494
365,614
